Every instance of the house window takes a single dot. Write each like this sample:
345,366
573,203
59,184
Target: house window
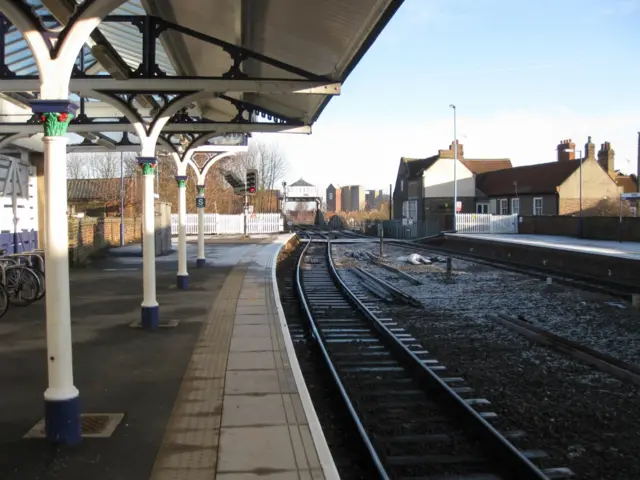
402,185
330,195
504,206
537,206
515,206
482,208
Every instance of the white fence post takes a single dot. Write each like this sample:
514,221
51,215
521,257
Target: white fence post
218,224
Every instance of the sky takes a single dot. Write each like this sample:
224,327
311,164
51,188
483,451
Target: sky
523,76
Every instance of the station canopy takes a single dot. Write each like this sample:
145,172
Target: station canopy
253,66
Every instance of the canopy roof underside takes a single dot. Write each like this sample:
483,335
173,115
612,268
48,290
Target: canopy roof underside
319,40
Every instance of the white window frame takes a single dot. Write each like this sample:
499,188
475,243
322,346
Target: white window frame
483,207
504,206
409,212
541,206
515,206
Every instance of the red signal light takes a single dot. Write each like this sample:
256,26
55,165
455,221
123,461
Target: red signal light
252,189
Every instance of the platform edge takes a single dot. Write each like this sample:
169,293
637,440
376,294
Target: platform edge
320,442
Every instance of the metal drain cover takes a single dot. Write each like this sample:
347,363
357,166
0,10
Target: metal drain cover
163,323
94,425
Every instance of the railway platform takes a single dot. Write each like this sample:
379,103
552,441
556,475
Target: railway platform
612,262
219,395
629,250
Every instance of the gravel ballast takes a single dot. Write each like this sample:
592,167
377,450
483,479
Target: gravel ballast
585,419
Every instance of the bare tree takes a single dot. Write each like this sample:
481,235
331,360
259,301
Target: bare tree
268,158
101,165
76,167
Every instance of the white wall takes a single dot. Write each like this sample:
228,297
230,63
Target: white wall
437,181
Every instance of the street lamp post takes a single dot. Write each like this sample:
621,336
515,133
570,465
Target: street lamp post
580,214
455,169
122,199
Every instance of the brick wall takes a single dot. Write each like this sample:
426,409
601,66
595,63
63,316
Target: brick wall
596,228
90,235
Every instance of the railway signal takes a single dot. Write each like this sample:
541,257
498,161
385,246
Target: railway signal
252,181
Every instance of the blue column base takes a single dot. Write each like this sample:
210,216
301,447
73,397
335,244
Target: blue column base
182,282
201,262
62,421
150,318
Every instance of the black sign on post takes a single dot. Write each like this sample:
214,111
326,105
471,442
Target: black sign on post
201,202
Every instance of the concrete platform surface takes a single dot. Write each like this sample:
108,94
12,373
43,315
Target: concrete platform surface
213,395
629,250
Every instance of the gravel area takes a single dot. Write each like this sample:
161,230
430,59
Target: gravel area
586,420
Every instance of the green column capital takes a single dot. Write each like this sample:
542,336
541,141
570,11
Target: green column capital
55,124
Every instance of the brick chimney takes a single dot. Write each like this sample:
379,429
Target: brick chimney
563,146
605,159
449,153
590,150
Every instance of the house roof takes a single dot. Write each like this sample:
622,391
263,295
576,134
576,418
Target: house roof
301,183
629,183
417,165
530,179
105,189
482,165
476,165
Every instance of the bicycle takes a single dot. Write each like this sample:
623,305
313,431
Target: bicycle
22,284
35,262
4,301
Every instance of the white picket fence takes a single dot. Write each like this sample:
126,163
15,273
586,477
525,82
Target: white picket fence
218,224
486,223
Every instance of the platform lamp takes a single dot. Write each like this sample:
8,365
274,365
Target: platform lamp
580,214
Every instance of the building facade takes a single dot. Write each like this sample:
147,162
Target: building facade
345,196
357,203
334,199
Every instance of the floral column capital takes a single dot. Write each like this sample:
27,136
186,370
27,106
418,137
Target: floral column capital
181,180
55,115
148,165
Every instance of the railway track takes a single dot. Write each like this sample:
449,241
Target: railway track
414,420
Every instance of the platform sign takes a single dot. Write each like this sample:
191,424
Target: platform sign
458,207
201,202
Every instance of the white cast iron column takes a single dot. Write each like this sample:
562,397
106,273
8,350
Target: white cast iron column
183,275
150,315
62,401
201,260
